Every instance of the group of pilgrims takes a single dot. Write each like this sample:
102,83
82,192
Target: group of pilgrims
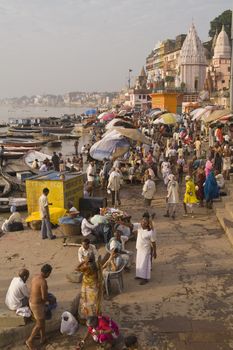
190,167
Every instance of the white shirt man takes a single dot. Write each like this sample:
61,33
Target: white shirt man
86,250
43,205
114,182
87,227
17,291
148,190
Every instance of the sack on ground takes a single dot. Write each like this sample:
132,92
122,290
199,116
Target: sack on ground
69,324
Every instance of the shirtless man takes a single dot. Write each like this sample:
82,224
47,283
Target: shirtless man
38,298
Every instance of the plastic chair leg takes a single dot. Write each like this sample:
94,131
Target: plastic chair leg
106,286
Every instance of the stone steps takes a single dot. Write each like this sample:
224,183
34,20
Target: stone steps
225,219
13,330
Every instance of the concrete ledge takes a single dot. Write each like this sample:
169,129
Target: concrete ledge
226,222
20,333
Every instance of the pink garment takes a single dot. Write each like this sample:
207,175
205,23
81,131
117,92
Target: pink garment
208,167
104,324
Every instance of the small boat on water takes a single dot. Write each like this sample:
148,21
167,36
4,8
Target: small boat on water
13,155
16,171
6,203
21,149
5,187
25,130
32,155
57,129
20,142
20,135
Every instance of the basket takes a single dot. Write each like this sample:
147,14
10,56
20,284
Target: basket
35,225
71,229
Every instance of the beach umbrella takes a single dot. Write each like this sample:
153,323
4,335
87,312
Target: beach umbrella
102,114
156,114
112,147
133,134
91,112
118,122
106,116
223,120
197,113
167,118
216,115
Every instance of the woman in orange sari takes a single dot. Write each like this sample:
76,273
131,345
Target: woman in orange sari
92,287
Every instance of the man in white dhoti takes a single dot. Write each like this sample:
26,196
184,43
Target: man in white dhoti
146,249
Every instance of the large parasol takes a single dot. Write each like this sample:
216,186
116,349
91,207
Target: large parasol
167,118
106,116
133,134
113,145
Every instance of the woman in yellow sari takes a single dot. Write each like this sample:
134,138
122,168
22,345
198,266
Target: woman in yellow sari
92,287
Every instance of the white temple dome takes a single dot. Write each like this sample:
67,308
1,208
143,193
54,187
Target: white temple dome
222,48
192,51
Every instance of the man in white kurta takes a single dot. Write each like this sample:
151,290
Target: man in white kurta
146,247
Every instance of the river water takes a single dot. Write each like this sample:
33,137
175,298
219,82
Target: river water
67,148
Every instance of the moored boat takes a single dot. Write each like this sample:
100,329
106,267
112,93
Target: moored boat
21,149
6,203
32,155
57,129
13,155
14,142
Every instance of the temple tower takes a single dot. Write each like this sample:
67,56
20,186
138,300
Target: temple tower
192,62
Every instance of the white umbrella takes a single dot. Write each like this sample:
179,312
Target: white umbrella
100,116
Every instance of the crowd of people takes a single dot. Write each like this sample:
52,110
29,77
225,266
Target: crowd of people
192,169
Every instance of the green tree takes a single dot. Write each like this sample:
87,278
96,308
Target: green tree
224,18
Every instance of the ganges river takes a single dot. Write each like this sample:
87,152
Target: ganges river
67,148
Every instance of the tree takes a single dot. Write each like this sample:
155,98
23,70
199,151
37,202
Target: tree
224,18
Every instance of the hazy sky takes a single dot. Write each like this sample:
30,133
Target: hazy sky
55,46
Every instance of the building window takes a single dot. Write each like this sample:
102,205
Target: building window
229,69
144,96
223,81
139,96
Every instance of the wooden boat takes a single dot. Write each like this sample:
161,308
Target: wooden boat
10,170
19,135
55,143
20,143
32,155
6,203
21,149
57,129
13,155
29,130
5,187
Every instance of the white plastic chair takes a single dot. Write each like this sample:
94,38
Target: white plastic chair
117,276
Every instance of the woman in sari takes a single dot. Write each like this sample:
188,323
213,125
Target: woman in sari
211,190
103,330
92,287
189,196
